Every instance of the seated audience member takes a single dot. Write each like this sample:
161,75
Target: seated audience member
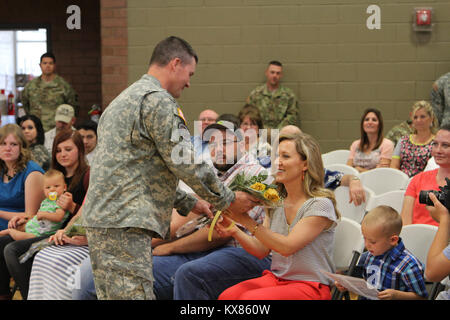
206,117
34,133
49,217
299,235
191,267
88,131
412,152
21,192
371,150
387,264
438,259
413,211
251,123
64,120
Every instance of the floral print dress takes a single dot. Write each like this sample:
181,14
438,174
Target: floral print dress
413,157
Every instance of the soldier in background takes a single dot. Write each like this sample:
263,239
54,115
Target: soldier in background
135,173
402,129
440,99
277,104
41,96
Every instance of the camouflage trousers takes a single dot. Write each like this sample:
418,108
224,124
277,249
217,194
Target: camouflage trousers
121,263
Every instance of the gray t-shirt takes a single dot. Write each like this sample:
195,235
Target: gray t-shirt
305,264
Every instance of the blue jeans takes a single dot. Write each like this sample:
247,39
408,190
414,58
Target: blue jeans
204,275
86,291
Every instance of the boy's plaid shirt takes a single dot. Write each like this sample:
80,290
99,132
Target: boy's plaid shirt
396,269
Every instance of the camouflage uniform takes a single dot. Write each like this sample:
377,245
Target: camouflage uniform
134,182
398,131
41,98
41,156
440,99
277,108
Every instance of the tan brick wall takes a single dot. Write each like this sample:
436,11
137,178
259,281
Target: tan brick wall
335,65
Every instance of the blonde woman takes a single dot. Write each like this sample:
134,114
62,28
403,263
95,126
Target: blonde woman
413,151
300,235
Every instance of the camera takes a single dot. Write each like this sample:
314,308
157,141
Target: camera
443,195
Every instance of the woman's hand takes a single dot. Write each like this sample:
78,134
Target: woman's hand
17,220
58,237
75,240
65,201
438,210
224,227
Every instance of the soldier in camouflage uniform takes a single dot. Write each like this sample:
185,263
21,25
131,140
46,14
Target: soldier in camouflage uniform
134,176
277,104
400,130
440,99
41,96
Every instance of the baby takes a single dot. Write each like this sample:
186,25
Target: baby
50,216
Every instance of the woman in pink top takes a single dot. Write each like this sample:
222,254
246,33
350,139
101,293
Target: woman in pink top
414,212
372,150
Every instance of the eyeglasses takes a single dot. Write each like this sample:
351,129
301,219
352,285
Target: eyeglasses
223,143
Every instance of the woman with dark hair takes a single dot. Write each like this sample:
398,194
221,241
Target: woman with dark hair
51,269
251,123
68,157
34,134
372,150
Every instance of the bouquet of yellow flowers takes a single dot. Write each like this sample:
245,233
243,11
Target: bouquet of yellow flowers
255,185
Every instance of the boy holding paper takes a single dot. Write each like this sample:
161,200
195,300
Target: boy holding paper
387,264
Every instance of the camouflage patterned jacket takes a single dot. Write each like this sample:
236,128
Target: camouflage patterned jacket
41,98
135,172
41,156
277,108
440,99
398,131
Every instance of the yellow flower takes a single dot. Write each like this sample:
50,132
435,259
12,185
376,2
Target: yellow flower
258,186
272,195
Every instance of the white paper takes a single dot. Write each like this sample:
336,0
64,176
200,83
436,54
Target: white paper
356,285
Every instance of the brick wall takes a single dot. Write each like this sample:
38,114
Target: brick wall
114,48
77,51
335,65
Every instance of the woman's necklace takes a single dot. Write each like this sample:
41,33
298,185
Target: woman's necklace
8,177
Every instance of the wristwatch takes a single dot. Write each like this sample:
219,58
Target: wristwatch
355,178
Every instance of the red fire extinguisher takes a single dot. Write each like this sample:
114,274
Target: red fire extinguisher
11,108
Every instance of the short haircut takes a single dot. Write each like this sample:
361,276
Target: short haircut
276,63
88,125
445,127
171,48
53,173
48,55
253,113
386,217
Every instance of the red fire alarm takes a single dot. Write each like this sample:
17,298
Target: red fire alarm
422,19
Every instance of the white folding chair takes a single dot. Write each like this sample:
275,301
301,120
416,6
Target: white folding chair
392,198
382,180
349,210
348,246
335,156
342,168
417,238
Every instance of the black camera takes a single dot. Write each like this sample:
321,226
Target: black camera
443,196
